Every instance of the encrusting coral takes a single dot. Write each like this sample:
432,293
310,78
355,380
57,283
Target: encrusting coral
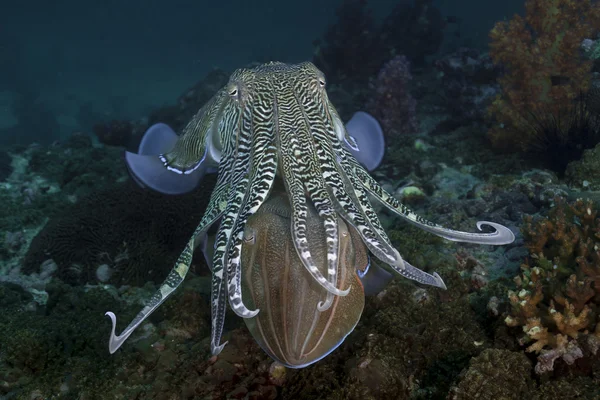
558,296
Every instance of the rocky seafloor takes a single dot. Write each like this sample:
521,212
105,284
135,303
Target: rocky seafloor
80,238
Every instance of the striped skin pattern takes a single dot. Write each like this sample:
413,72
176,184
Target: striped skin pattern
275,122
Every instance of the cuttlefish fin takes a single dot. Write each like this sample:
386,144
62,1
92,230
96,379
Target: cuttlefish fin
374,277
152,167
365,140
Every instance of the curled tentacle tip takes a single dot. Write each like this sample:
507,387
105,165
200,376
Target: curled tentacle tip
322,306
325,305
249,313
242,311
502,235
333,290
439,281
340,292
216,350
115,341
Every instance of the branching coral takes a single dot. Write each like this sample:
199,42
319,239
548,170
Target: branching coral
558,299
544,70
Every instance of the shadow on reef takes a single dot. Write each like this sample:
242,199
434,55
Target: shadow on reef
120,235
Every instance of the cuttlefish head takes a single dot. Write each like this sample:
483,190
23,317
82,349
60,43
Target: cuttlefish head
174,164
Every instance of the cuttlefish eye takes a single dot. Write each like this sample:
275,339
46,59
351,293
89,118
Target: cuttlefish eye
234,91
321,81
289,327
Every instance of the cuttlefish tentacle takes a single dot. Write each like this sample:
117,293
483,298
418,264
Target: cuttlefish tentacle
314,184
216,120
354,193
181,158
173,280
216,209
239,188
359,196
344,197
292,166
262,170
501,235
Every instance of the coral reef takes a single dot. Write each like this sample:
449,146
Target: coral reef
45,180
558,291
392,104
120,235
575,388
59,345
75,166
544,70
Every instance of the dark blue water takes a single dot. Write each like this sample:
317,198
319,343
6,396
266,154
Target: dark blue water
120,59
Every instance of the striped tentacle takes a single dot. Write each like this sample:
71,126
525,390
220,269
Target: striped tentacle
230,128
194,136
315,184
343,191
175,277
501,235
235,198
360,192
218,198
263,167
344,160
239,186
295,172
217,309
215,210
402,267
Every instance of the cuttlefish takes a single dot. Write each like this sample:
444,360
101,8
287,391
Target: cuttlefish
292,203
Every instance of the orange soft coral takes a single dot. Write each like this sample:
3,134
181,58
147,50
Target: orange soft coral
544,69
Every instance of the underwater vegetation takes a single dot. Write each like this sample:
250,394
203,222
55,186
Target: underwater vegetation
545,74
